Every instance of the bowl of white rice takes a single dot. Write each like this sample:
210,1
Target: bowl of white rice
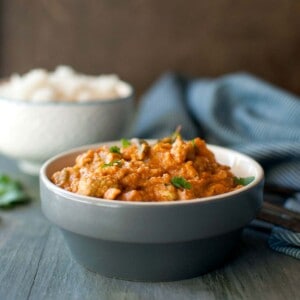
43,113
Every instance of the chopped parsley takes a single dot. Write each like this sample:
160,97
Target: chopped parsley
180,182
194,144
112,163
125,143
243,180
176,134
115,149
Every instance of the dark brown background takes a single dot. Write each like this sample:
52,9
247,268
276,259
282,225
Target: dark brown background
140,39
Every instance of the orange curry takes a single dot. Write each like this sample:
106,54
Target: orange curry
171,169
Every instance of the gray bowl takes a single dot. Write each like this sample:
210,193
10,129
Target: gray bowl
150,241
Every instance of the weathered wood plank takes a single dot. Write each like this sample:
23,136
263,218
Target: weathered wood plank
141,39
22,241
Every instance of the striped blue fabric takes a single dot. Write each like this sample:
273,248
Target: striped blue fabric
285,241
238,111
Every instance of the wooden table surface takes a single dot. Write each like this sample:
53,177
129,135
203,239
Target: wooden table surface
35,263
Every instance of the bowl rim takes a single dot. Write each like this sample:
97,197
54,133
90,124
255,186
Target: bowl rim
108,101
106,202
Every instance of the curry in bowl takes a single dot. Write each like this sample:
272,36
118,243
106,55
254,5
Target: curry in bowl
170,169
150,236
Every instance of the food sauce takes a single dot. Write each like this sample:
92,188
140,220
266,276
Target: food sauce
170,169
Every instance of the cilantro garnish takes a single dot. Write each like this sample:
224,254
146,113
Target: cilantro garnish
125,143
114,149
11,192
194,144
243,180
180,182
196,149
176,133
112,163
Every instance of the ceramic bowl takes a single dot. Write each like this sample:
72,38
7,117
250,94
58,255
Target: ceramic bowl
152,241
33,132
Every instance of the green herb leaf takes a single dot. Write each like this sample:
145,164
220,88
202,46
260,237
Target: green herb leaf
115,149
196,149
11,192
194,144
125,143
112,163
243,180
180,182
176,133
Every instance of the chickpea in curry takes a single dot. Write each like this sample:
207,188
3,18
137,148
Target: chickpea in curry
168,170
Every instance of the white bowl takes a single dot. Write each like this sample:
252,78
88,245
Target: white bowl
152,240
33,132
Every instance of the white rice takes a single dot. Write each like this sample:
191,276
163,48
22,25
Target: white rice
63,84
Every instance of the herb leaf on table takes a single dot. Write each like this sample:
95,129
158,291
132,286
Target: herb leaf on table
11,192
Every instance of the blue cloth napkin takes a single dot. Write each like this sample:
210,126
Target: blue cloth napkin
285,241
238,111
